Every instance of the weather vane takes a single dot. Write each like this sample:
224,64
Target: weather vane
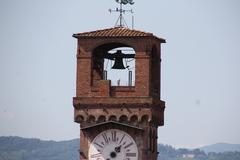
121,11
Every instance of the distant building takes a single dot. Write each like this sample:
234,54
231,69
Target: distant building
188,155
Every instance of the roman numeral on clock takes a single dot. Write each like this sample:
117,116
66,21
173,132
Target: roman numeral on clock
96,155
114,138
105,137
98,145
131,154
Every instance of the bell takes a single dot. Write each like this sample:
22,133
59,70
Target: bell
118,63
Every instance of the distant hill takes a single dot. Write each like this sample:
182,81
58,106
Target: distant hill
167,152
17,148
221,147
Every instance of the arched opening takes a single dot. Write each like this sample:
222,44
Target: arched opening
112,118
125,76
91,119
134,119
101,118
123,119
79,119
144,119
115,62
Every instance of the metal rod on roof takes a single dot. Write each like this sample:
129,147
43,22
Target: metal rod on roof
132,21
121,16
121,11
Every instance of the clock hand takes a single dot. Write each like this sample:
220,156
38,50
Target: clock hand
118,149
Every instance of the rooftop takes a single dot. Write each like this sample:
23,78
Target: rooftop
116,32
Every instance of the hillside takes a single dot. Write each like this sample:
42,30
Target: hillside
221,147
169,153
17,148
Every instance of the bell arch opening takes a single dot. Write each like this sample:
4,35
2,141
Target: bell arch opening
120,70
115,62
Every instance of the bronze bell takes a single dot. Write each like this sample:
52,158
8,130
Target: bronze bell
118,63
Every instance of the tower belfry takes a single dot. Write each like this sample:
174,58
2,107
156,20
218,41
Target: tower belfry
118,122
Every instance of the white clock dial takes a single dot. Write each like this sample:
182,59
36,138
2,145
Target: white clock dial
113,144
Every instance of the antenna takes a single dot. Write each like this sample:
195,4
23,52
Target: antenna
121,11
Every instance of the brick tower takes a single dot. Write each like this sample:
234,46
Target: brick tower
118,122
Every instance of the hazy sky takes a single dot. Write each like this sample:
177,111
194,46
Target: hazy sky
200,65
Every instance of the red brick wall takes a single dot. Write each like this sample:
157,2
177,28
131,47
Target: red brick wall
100,99
147,73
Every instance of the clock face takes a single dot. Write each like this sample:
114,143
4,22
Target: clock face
113,144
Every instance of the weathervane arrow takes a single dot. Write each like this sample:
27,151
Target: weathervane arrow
125,2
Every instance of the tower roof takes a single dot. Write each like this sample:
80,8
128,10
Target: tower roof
116,32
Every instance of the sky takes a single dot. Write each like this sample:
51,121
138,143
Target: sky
200,65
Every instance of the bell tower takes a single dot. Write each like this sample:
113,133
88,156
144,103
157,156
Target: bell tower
118,122
118,100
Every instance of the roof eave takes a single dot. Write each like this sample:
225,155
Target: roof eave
92,37
160,39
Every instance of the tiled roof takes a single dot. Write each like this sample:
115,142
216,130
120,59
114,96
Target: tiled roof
115,32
